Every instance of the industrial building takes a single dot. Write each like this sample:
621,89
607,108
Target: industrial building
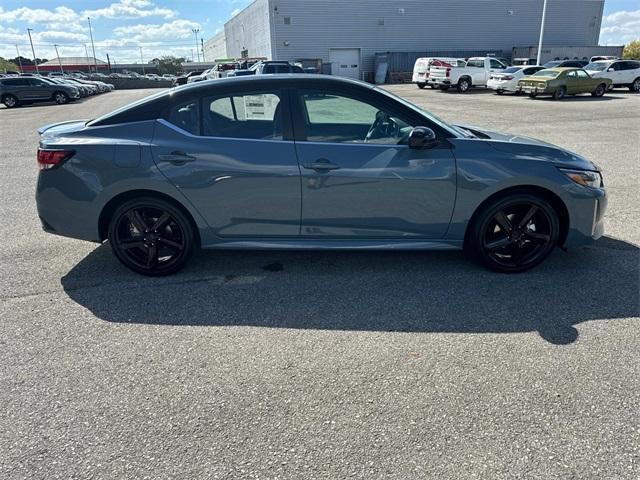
343,37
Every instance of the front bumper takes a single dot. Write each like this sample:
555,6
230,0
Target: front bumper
587,208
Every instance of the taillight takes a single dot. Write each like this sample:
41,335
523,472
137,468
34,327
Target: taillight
52,158
448,72
508,77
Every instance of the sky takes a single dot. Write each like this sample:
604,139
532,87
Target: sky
160,27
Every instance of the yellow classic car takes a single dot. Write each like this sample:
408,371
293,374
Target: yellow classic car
560,82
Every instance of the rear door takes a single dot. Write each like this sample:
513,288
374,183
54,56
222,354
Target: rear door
360,180
20,87
232,155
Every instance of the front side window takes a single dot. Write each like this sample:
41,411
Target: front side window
336,118
254,116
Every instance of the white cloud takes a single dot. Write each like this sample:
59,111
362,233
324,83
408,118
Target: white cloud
177,29
39,15
131,9
620,27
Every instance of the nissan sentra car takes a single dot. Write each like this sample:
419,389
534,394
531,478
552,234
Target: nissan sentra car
308,162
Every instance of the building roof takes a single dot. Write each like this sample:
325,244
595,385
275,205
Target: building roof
73,61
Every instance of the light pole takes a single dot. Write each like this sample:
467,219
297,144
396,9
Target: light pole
544,16
93,47
59,61
19,58
195,32
35,62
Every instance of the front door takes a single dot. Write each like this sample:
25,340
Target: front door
345,62
359,177
231,158
38,89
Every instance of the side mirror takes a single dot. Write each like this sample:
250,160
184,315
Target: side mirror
422,137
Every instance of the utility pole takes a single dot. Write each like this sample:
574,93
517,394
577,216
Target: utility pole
544,16
59,61
195,32
109,62
142,61
93,47
19,59
202,44
35,61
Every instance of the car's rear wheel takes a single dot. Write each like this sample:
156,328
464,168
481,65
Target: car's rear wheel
463,85
499,92
560,93
151,236
635,86
10,101
421,86
60,98
599,91
514,233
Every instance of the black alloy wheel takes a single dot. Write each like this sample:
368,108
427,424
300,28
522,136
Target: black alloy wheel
515,233
151,236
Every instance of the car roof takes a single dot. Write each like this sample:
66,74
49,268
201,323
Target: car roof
249,80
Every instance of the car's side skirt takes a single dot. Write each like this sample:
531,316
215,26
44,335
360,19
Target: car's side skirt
334,244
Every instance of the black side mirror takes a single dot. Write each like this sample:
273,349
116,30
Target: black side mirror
422,137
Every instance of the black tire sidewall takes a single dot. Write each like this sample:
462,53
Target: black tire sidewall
182,220
474,242
64,96
4,99
462,82
560,93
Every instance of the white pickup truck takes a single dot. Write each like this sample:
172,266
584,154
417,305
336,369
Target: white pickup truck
474,74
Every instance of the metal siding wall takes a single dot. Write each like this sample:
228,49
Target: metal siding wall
215,48
250,30
426,25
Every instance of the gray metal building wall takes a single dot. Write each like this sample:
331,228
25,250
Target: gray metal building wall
316,26
250,30
216,47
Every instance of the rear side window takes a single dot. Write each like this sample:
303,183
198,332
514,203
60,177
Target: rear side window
255,116
186,117
495,64
475,63
15,82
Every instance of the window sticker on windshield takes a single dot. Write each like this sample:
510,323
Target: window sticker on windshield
260,107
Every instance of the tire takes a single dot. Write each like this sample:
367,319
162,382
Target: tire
10,101
599,91
559,93
60,98
433,87
500,92
514,233
533,95
444,88
421,86
151,236
464,85
635,86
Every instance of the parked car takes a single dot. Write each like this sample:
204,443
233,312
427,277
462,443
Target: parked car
507,80
267,68
566,64
622,73
560,82
597,58
182,80
422,66
201,77
475,73
223,168
84,90
16,91
153,76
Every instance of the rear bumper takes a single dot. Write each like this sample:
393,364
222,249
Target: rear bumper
531,89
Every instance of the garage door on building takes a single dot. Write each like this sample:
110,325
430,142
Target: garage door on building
345,62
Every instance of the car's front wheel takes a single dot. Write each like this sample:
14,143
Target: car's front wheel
514,233
151,236
10,101
60,98
560,93
635,86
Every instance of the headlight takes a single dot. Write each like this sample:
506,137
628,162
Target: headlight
586,178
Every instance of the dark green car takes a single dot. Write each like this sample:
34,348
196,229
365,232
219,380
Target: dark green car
559,82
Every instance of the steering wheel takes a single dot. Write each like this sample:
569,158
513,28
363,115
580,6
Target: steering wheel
383,127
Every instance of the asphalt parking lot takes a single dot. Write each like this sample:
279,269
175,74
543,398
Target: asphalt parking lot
276,365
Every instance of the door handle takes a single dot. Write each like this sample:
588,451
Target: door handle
177,158
322,165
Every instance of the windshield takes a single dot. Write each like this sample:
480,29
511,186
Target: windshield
450,128
596,66
546,73
512,70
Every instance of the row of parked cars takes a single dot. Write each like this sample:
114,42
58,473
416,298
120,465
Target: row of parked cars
555,78
240,69
24,89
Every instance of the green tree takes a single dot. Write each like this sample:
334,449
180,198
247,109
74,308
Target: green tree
6,65
169,64
632,50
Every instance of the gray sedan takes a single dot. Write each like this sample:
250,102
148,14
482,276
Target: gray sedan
308,162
